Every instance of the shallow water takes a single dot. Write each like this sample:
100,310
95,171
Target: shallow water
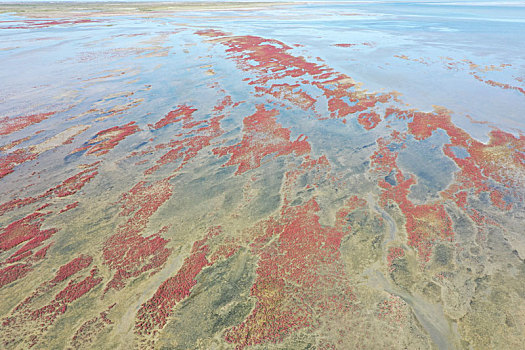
322,175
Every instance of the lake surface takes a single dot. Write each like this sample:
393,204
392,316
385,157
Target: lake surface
344,175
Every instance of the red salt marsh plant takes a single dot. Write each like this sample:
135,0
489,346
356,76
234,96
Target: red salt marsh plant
181,114
31,318
11,125
90,329
11,160
153,314
26,234
107,139
393,254
498,160
195,136
300,275
66,188
129,253
262,136
272,62
44,23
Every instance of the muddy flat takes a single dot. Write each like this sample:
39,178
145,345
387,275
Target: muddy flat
262,175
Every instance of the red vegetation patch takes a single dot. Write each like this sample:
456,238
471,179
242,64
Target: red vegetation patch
69,207
30,320
344,99
499,160
22,230
421,124
394,310
153,314
291,93
191,142
344,45
143,201
41,254
213,33
132,254
369,120
269,56
73,184
64,272
384,160
106,140
26,230
129,253
226,102
11,125
424,223
262,136
498,84
497,200
48,314
11,160
77,264
224,252
75,290
68,187
393,254
14,143
14,272
300,276
351,205
90,329
461,199
41,23
182,113
270,60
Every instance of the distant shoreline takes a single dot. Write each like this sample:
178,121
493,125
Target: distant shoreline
108,8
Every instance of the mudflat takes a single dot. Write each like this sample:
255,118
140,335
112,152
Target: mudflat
346,175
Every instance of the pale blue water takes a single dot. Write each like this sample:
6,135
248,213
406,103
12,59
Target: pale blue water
484,33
